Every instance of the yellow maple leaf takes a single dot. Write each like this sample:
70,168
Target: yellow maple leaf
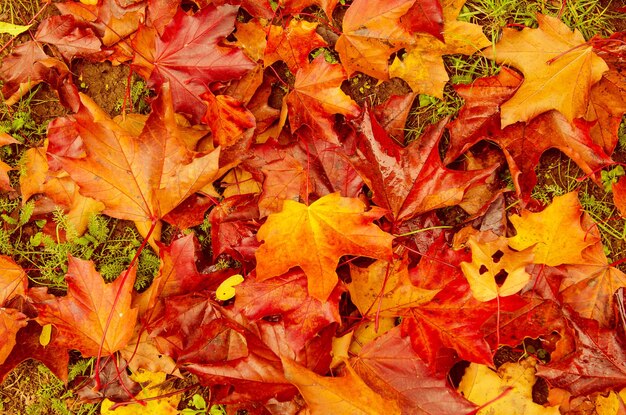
492,260
508,391
151,388
556,232
559,70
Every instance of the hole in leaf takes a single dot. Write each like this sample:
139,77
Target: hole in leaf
482,269
540,391
275,318
497,256
500,277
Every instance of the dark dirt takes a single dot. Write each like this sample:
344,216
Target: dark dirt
103,82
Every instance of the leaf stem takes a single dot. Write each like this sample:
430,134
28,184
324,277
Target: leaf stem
430,228
116,300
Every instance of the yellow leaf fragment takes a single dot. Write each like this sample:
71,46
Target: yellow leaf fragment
151,383
13,29
46,334
226,289
509,390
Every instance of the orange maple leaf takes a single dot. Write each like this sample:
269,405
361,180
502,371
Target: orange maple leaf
317,95
293,44
137,178
315,237
81,316
13,279
346,395
371,33
559,70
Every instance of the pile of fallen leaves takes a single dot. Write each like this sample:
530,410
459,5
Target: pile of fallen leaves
350,294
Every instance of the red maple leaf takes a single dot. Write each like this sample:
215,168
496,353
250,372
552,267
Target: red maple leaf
393,369
191,55
412,180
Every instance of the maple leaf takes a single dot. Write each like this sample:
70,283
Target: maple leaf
13,283
509,390
453,320
293,6
89,306
57,186
234,226
137,178
559,70
178,275
71,36
190,57
202,336
316,96
392,115
228,119
342,396
141,353
54,355
286,175
496,270
315,237
287,296
412,180
328,165
371,33
589,287
27,66
522,144
422,67
384,289
596,363
607,104
13,280
425,16
113,19
11,321
311,167
153,386
556,232
293,44
479,117
392,368
251,38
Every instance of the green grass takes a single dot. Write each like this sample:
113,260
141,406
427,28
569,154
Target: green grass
31,389
590,17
